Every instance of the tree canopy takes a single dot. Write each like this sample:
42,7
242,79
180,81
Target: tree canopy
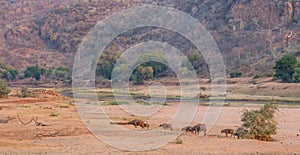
33,72
285,68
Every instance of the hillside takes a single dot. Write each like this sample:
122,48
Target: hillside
251,34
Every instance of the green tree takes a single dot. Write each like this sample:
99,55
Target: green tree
195,59
285,68
13,72
121,71
149,65
261,123
107,61
296,75
4,90
61,73
148,73
8,73
33,72
155,60
137,76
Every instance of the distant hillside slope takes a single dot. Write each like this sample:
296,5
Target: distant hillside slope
251,34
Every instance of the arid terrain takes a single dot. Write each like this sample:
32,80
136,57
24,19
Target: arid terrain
39,40
67,134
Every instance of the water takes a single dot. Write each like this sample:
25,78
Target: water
177,100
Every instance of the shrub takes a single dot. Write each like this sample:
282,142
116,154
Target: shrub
61,73
4,90
235,74
254,82
114,102
221,81
261,123
53,114
178,141
142,102
25,92
257,76
226,105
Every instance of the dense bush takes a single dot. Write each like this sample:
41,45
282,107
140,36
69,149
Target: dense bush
4,90
8,73
107,61
235,74
285,68
261,123
61,73
137,77
148,66
25,92
34,72
296,75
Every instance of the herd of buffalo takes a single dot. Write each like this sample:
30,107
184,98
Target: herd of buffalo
196,129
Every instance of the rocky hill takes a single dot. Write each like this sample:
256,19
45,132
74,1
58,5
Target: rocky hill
251,34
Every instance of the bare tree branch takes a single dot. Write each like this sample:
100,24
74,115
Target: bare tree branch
32,119
25,123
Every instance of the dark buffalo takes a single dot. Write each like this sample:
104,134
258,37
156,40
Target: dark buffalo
228,131
137,122
166,126
199,127
188,129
